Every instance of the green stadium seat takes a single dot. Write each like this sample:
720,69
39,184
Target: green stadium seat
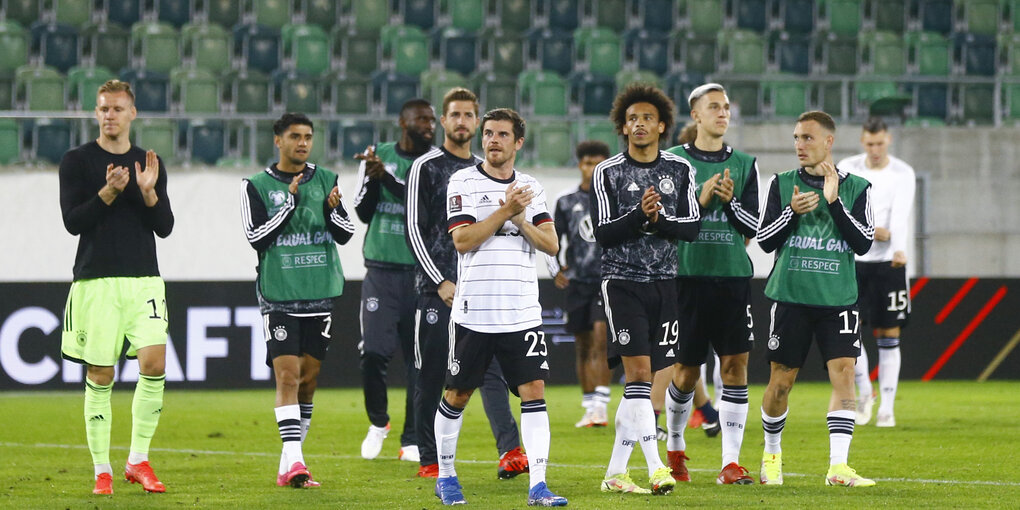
271,13
829,97
785,98
307,47
930,52
249,91
225,13
883,53
599,48
420,13
83,83
627,76
6,90
157,135
1013,6
494,91
106,45
704,17
407,47
208,46
458,50
368,14
695,53
151,88
349,93
792,52
597,129
72,12
1011,95
124,12
502,51
260,46
195,90
549,143
980,16
391,90
320,12
611,14
543,92
935,15
436,82
353,137
647,49
931,100
842,16
155,46
838,52
57,43
51,138
13,46
10,141
297,91
39,88
358,49
464,14
978,102
593,93
515,15
745,97
552,50
24,12
888,15
743,51
206,140
877,97
1009,45
174,12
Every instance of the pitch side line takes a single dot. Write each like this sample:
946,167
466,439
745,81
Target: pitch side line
471,461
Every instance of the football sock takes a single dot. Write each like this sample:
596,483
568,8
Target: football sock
288,419
710,413
773,427
306,418
678,411
535,434
103,468
861,376
447,425
642,418
98,419
733,415
624,441
888,372
841,431
586,400
146,408
601,398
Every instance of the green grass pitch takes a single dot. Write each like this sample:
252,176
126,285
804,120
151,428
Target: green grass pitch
955,446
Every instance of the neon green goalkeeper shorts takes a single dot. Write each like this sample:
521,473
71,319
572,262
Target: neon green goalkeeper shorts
102,312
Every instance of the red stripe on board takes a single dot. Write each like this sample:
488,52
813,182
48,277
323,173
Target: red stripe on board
962,337
946,310
918,285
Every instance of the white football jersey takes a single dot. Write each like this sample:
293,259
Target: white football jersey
892,198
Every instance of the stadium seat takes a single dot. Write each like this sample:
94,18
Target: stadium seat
515,15
151,88
6,90
124,12
657,15
679,86
829,97
930,53
1009,45
647,49
260,47
599,49
627,76
785,98
39,88
975,53
743,51
502,51
745,98
552,50
421,13
1013,8
561,14
51,138
207,46
296,91
106,45
368,14
306,47
458,50
936,15
13,46
842,16
353,137
157,135
704,17
792,52
1011,96
24,12
320,12
695,53
195,90
155,46
391,90
174,12
838,53
593,93
931,100
549,143
494,91
71,12
887,15
436,82
876,97
358,50
271,13
57,43
883,53
611,14
10,141
82,85
249,91
602,130
751,14
797,16
464,14
407,48
980,16
978,102
225,13
206,140
542,93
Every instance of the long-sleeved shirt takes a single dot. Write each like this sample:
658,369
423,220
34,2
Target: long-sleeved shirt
579,252
427,234
115,239
892,198
634,248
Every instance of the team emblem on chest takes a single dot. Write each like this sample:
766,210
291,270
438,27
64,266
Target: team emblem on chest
666,185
